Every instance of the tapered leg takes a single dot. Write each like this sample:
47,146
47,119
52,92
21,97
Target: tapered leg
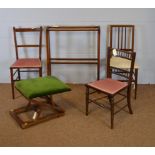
12,82
87,100
136,79
129,100
111,100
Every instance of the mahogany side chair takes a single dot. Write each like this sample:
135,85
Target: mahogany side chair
122,37
111,90
25,64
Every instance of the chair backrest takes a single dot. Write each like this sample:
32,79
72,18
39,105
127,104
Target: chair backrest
122,37
128,57
24,45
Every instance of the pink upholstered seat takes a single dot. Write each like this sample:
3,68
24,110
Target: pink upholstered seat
110,88
27,63
108,85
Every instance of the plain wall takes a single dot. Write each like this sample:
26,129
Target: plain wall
143,19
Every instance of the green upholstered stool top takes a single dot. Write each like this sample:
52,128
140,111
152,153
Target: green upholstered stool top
41,86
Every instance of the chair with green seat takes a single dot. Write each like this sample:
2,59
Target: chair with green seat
33,90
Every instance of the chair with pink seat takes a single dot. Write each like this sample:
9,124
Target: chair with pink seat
25,64
111,89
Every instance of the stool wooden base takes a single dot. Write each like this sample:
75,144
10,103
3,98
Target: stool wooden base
37,118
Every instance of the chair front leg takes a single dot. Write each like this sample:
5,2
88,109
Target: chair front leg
40,72
87,100
129,99
111,100
19,77
12,83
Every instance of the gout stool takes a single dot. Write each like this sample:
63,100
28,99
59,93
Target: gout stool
38,92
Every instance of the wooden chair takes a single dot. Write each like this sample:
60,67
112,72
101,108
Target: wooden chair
113,89
122,37
31,64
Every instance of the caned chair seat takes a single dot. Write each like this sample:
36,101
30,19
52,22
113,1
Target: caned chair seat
121,63
27,63
108,85
41,86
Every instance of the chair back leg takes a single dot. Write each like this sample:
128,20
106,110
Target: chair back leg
136,79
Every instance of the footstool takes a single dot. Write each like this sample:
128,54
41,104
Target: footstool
38,92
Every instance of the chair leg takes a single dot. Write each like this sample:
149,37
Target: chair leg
19,77
12,82
129,100
87,100
136,79
40,72
111,100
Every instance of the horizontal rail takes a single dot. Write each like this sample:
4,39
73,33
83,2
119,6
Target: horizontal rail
120,109
28,45
122,25
27,29
74,61
100,105
82,59
73,28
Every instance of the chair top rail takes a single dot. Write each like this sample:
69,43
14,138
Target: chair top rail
28,29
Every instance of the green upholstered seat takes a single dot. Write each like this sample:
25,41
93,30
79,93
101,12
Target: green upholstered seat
41,86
